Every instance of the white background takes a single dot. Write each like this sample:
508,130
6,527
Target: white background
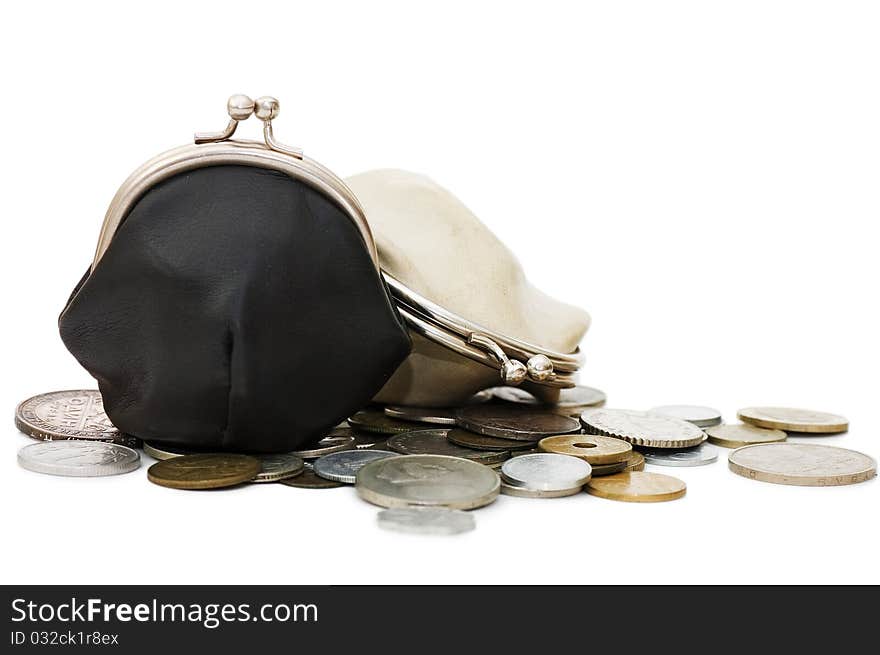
701,176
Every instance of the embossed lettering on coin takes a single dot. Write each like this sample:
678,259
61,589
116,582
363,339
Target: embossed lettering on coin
77,414
802,464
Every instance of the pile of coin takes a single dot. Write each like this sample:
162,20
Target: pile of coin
427,465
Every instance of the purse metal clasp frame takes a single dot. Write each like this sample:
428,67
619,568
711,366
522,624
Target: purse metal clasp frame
240,107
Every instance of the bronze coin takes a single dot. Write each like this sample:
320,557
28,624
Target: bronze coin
609,469
308,479
593,449
635,462
434,442
208,471
637,487
375,420
485,442
515,422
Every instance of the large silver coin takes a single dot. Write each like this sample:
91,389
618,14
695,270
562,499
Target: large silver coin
278,467
642,428
515,422
546,472
77,414
434,415
702,417
426,520
571,401
428,480
696,456
344,466
88,459
435,442
802,464
327,445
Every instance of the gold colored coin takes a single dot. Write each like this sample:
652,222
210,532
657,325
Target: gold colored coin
743,434
637,487
609,469
591,448
635,462
793,420
802,464
208,471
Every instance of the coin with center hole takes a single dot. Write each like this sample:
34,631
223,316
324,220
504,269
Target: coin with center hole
206,471
427,480
329,444
743,434
308,479
485,442
571,401
344,466
375,420
802,464
278,467
696,414
426,520
546,472
77,414
793,420
637,487
642,428
78,458
514,422
694,456
594,449
435,442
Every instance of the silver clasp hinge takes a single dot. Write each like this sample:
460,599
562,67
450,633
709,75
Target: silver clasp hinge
240,107
539,368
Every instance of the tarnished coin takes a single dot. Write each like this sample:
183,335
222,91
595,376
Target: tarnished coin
163,452
571,401
802,464
793,420
743,434
278,467
546,472
642,428
375,420
78,458
610,469
343,466
514,422
329,444
700,416
308,479
206,471
485,442
526,492
435,442
432,480
77,414
434,415
371,440
637,487
426,520
694,456
593,449
635,462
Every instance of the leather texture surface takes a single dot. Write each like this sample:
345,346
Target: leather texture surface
236,308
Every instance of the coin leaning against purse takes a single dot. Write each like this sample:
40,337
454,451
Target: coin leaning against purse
237,300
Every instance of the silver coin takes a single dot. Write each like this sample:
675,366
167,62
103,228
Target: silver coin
372,440
700,416
163,452
435,415
278,467
78,458
696,456
327,445
76,414
434,442
426,520
343,466
546,472
573,400
525,492
642,428
427,480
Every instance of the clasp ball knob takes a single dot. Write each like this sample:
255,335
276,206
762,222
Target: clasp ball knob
240,107
540,368
266,108
513,372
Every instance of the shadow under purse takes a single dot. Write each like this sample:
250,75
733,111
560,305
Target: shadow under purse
235,301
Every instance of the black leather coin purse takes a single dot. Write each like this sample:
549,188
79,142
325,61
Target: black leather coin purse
235,301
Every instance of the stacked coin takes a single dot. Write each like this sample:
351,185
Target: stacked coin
571,401
544,475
